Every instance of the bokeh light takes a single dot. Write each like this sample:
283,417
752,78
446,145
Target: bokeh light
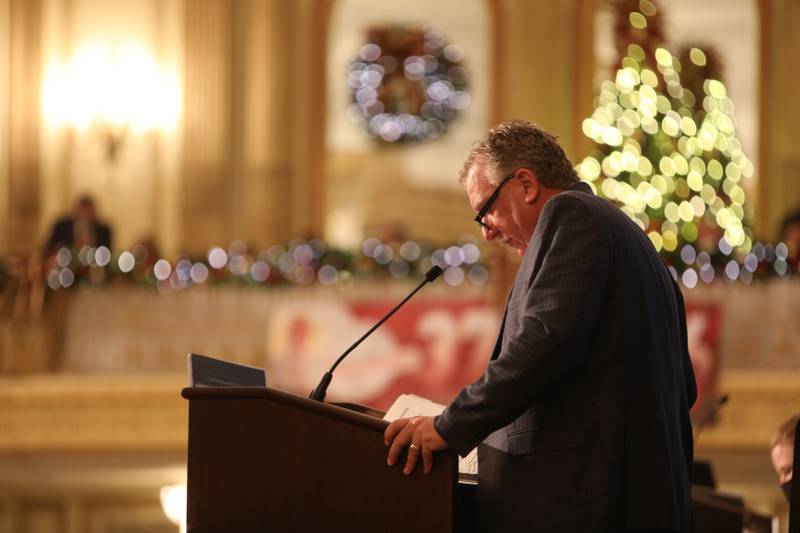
401,95
126,261
217,258
685,191
162,269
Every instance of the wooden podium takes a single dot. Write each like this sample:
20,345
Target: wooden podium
265,460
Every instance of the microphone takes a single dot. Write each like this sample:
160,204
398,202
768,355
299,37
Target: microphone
318,393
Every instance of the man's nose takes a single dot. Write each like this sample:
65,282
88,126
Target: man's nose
489,233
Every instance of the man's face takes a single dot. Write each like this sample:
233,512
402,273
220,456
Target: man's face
512,217
782,458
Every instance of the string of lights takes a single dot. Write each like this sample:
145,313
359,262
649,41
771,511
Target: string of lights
304,263
407,84
670,158
300,263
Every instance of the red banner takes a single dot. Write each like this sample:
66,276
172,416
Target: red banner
429,348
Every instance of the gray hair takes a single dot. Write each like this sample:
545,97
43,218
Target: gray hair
522,144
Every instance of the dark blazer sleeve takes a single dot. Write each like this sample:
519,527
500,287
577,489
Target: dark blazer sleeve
555,301
686,360
690,384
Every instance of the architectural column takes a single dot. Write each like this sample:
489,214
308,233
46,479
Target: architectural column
204,214
5,107
583,88
168,162
265,121
779,186
21,209
542,50
253,121
310,40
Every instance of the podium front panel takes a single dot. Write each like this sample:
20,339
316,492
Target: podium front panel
264,460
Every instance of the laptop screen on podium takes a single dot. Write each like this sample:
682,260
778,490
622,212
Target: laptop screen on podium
206,371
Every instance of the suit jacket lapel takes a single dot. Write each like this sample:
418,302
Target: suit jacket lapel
499,342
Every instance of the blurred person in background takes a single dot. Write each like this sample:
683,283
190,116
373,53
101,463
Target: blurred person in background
790,235
81,228
782,453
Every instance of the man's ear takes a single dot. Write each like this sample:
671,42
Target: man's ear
530,185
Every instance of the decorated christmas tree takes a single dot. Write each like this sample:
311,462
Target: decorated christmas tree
666,149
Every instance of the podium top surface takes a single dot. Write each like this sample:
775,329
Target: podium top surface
285,398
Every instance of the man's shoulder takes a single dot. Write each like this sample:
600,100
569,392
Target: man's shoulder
584,202
577,201
64,223
582,193
574,214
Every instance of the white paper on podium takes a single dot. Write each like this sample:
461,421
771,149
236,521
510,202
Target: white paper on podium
408,405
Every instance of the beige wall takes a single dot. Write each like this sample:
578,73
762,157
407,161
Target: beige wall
373,188
780,109
544,66
252,130
131,190
236,165
247,158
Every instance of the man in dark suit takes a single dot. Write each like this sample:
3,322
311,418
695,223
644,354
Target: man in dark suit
81,229
582,416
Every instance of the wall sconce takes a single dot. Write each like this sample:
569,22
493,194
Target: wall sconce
173,501
110,90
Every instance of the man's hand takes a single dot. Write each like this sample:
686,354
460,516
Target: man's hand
421,437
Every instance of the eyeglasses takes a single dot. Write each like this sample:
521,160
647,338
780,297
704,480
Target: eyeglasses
489,201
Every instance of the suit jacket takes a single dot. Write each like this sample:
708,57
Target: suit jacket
582,414
63,234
